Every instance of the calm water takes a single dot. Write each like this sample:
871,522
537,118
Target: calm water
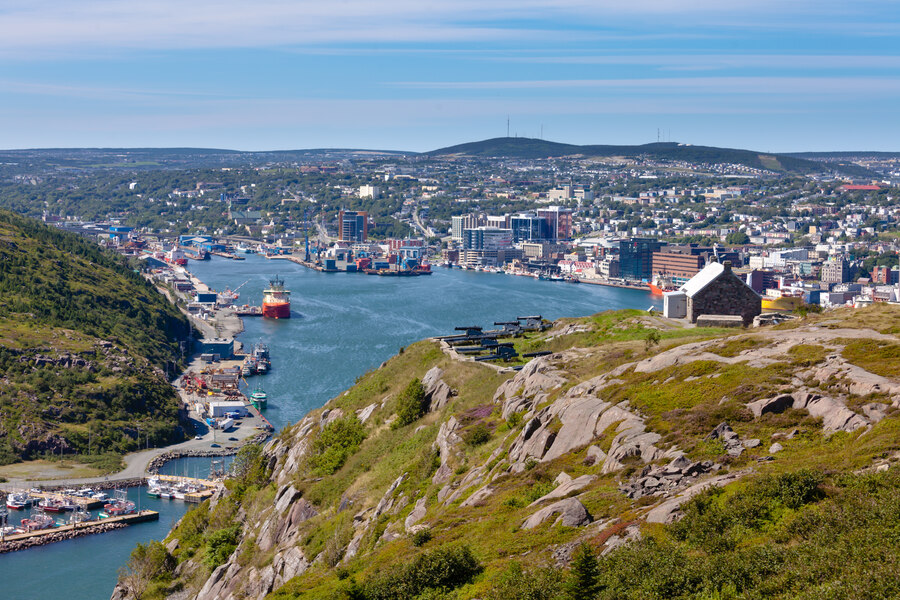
342,325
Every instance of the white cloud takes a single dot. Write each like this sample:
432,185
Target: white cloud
48,25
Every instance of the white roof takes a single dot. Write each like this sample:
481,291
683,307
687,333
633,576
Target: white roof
702,279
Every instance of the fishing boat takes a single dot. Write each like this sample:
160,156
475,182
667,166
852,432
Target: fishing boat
56,504
38,521
18,501
121,505
259,398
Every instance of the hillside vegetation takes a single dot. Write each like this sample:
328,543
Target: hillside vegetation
536,148
641,459
84,341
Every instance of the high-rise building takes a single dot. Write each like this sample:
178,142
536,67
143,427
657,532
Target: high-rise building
835,270
559,222
460,223
529,228
636,257
487,238
369,191
353,226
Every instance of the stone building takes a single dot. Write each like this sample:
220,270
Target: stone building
716,290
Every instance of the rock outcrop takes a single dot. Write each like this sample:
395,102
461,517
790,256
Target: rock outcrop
571,511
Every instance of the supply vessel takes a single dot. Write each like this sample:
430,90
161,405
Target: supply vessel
276,300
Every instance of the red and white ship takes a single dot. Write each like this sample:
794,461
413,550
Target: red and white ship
276,300
661,284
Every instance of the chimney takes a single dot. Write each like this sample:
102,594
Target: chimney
727,265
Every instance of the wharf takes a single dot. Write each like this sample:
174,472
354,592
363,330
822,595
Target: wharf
20,541
86,503
209,486
627,286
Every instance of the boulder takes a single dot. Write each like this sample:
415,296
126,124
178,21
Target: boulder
778,404
776,447
571,511
437,392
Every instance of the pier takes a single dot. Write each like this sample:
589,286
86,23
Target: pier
85,503
30,539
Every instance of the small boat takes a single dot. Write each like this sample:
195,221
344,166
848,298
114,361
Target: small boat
101,496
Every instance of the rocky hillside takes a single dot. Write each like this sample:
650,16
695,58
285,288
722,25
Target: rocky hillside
640,459
84,340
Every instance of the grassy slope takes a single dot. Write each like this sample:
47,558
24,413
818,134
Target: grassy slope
683,411
62,295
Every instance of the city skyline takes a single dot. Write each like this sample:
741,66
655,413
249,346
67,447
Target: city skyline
811,76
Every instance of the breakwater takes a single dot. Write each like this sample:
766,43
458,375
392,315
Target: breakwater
58,536
157,463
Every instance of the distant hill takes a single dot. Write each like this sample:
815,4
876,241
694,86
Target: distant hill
535,148
84,340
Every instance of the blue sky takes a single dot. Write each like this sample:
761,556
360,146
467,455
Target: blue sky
778,76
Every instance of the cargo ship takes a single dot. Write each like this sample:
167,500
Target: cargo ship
276,300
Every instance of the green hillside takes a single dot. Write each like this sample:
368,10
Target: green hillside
535,148
84,341
641,460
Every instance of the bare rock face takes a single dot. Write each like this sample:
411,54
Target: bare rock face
571,511
437,392
834,413
479,497
524,391
447,439
565,488
417,514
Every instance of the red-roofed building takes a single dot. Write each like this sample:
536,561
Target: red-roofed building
859,188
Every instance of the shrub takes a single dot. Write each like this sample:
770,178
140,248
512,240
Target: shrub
514,420
478,435
517,583
337,441
442,569
219,546
410,404
421,537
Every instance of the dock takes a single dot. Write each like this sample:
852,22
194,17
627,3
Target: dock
21,541
209,486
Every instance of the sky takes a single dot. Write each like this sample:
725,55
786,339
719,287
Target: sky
774,76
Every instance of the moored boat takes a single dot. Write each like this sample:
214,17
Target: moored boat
276,300
259,398
18,501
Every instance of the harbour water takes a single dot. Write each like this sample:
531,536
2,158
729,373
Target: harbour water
342,325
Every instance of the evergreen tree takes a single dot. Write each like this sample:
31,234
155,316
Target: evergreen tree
584,574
